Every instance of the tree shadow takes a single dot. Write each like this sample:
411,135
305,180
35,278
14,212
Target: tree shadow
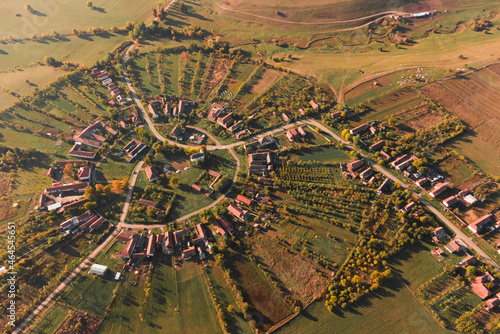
38,13
2,52
99,9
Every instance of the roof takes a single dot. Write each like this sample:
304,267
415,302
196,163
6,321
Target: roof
148,203
125,235
176,132
225,223
355,164
439,230
492,302
201,232
151,173
244,199
98,267
377,145
84,172
439,188
67,187
313,104
385,155
478,287
452,200
478,224
453,246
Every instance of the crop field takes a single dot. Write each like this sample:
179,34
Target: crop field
385,106
474,99
419,118
324,154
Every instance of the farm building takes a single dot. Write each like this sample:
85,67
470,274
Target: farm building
440,233
237,212
74,187
450,201
366,174
197,156
150,251
382,187
479,224
98,269
385,156
399,160
453,247
408,207
189,253
84,173
355,164
492,303
177,133
168,246
260,161
151,173
358,129
469,260
377,145
479,288
133,148
240,199
438,189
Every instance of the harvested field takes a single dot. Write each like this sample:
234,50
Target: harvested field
474,99
268,78
420,119
297,274
216,72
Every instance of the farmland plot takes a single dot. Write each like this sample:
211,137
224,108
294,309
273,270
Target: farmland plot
475,101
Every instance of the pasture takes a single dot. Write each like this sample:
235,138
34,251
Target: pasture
62,16
390,309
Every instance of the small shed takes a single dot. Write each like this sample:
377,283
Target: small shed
98,269
117,276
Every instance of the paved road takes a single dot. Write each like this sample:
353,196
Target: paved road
459,234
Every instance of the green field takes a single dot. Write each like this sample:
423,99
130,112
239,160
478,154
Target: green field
89,293
392,309
328,154
183,289
52,321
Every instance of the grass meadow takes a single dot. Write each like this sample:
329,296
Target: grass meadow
53,320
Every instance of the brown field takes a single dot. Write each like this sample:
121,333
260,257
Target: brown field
296,273
215,74
474,99
367,87
460,173
421,118
258,292
268,77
